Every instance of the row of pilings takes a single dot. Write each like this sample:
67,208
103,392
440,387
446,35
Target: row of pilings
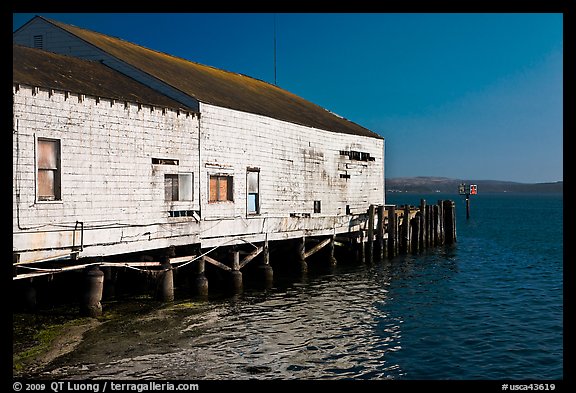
412,229
386,232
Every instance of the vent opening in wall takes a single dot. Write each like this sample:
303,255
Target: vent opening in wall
38,41
357,155
181,213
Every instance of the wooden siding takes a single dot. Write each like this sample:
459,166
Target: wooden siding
111,184
298,165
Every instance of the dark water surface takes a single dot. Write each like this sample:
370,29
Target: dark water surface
489,307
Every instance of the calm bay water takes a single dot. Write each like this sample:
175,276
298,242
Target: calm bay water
489,307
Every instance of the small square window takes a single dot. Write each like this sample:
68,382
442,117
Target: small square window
178,187
220,188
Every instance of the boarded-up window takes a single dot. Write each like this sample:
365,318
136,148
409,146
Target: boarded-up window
253,188
48,156
178,187
220,188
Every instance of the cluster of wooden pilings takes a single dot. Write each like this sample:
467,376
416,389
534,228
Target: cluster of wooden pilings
407,229
386,231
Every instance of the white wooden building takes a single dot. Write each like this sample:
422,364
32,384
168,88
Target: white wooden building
118,148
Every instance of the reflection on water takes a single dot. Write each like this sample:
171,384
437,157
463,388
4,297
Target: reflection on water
330,326
489,307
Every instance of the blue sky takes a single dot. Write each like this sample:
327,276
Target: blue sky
469,96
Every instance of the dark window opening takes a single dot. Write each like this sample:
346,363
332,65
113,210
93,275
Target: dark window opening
164,161
220,188
317,207
348,210
48,156
357,155
344,176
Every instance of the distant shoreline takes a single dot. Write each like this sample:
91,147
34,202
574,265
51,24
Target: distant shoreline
432,185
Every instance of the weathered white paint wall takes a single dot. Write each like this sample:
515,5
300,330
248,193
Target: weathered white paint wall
108,180
298,165
110,184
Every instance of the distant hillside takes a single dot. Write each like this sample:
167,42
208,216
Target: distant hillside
427,185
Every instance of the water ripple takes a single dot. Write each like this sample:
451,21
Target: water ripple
488,308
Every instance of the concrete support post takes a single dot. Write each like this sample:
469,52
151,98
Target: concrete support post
93,287
236,274
165,284
199,281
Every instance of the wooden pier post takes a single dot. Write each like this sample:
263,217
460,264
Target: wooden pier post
355,246
391,231
331,247
362,247
415,222
370,236
435,226
430,226
165,284
453,214
380,234
110,276
30,300
93,287
199,281
235,273
440,223
449,221
406,230
301,254
422,234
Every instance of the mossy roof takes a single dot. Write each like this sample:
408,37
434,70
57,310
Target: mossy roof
218,87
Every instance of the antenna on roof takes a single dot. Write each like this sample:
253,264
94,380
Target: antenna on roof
275,50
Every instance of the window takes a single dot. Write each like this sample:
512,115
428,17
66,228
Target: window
317,208
253,188
48,156
220,188
178,187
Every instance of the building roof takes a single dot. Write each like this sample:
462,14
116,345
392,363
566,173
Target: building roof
35,67
218,87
